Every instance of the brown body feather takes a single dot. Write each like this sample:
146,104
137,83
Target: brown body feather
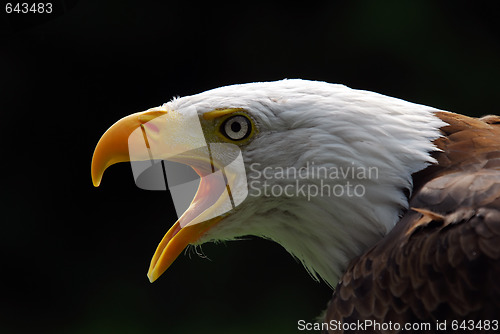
442,260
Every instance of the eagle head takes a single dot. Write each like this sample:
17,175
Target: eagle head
321,169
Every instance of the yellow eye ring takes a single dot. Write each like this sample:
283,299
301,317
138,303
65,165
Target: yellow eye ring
231,125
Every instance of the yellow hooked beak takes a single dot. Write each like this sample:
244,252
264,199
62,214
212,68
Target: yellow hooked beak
115,145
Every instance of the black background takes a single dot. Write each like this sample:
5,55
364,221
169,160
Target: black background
74,258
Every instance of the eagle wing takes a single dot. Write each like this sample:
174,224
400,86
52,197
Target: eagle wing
442,260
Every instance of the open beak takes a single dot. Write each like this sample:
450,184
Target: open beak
117,145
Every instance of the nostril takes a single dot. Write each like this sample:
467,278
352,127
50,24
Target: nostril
151,126
148,116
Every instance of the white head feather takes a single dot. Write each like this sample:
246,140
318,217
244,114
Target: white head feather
308,125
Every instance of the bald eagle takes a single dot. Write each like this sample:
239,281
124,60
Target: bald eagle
395,204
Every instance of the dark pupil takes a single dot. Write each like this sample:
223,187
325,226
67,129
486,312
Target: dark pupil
235,127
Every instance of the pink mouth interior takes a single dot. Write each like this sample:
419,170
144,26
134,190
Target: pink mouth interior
210,189
211,186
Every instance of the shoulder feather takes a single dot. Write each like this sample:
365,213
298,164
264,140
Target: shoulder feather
442,260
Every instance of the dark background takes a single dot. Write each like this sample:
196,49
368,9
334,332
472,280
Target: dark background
74,258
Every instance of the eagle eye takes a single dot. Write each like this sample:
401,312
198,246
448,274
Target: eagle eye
237,127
